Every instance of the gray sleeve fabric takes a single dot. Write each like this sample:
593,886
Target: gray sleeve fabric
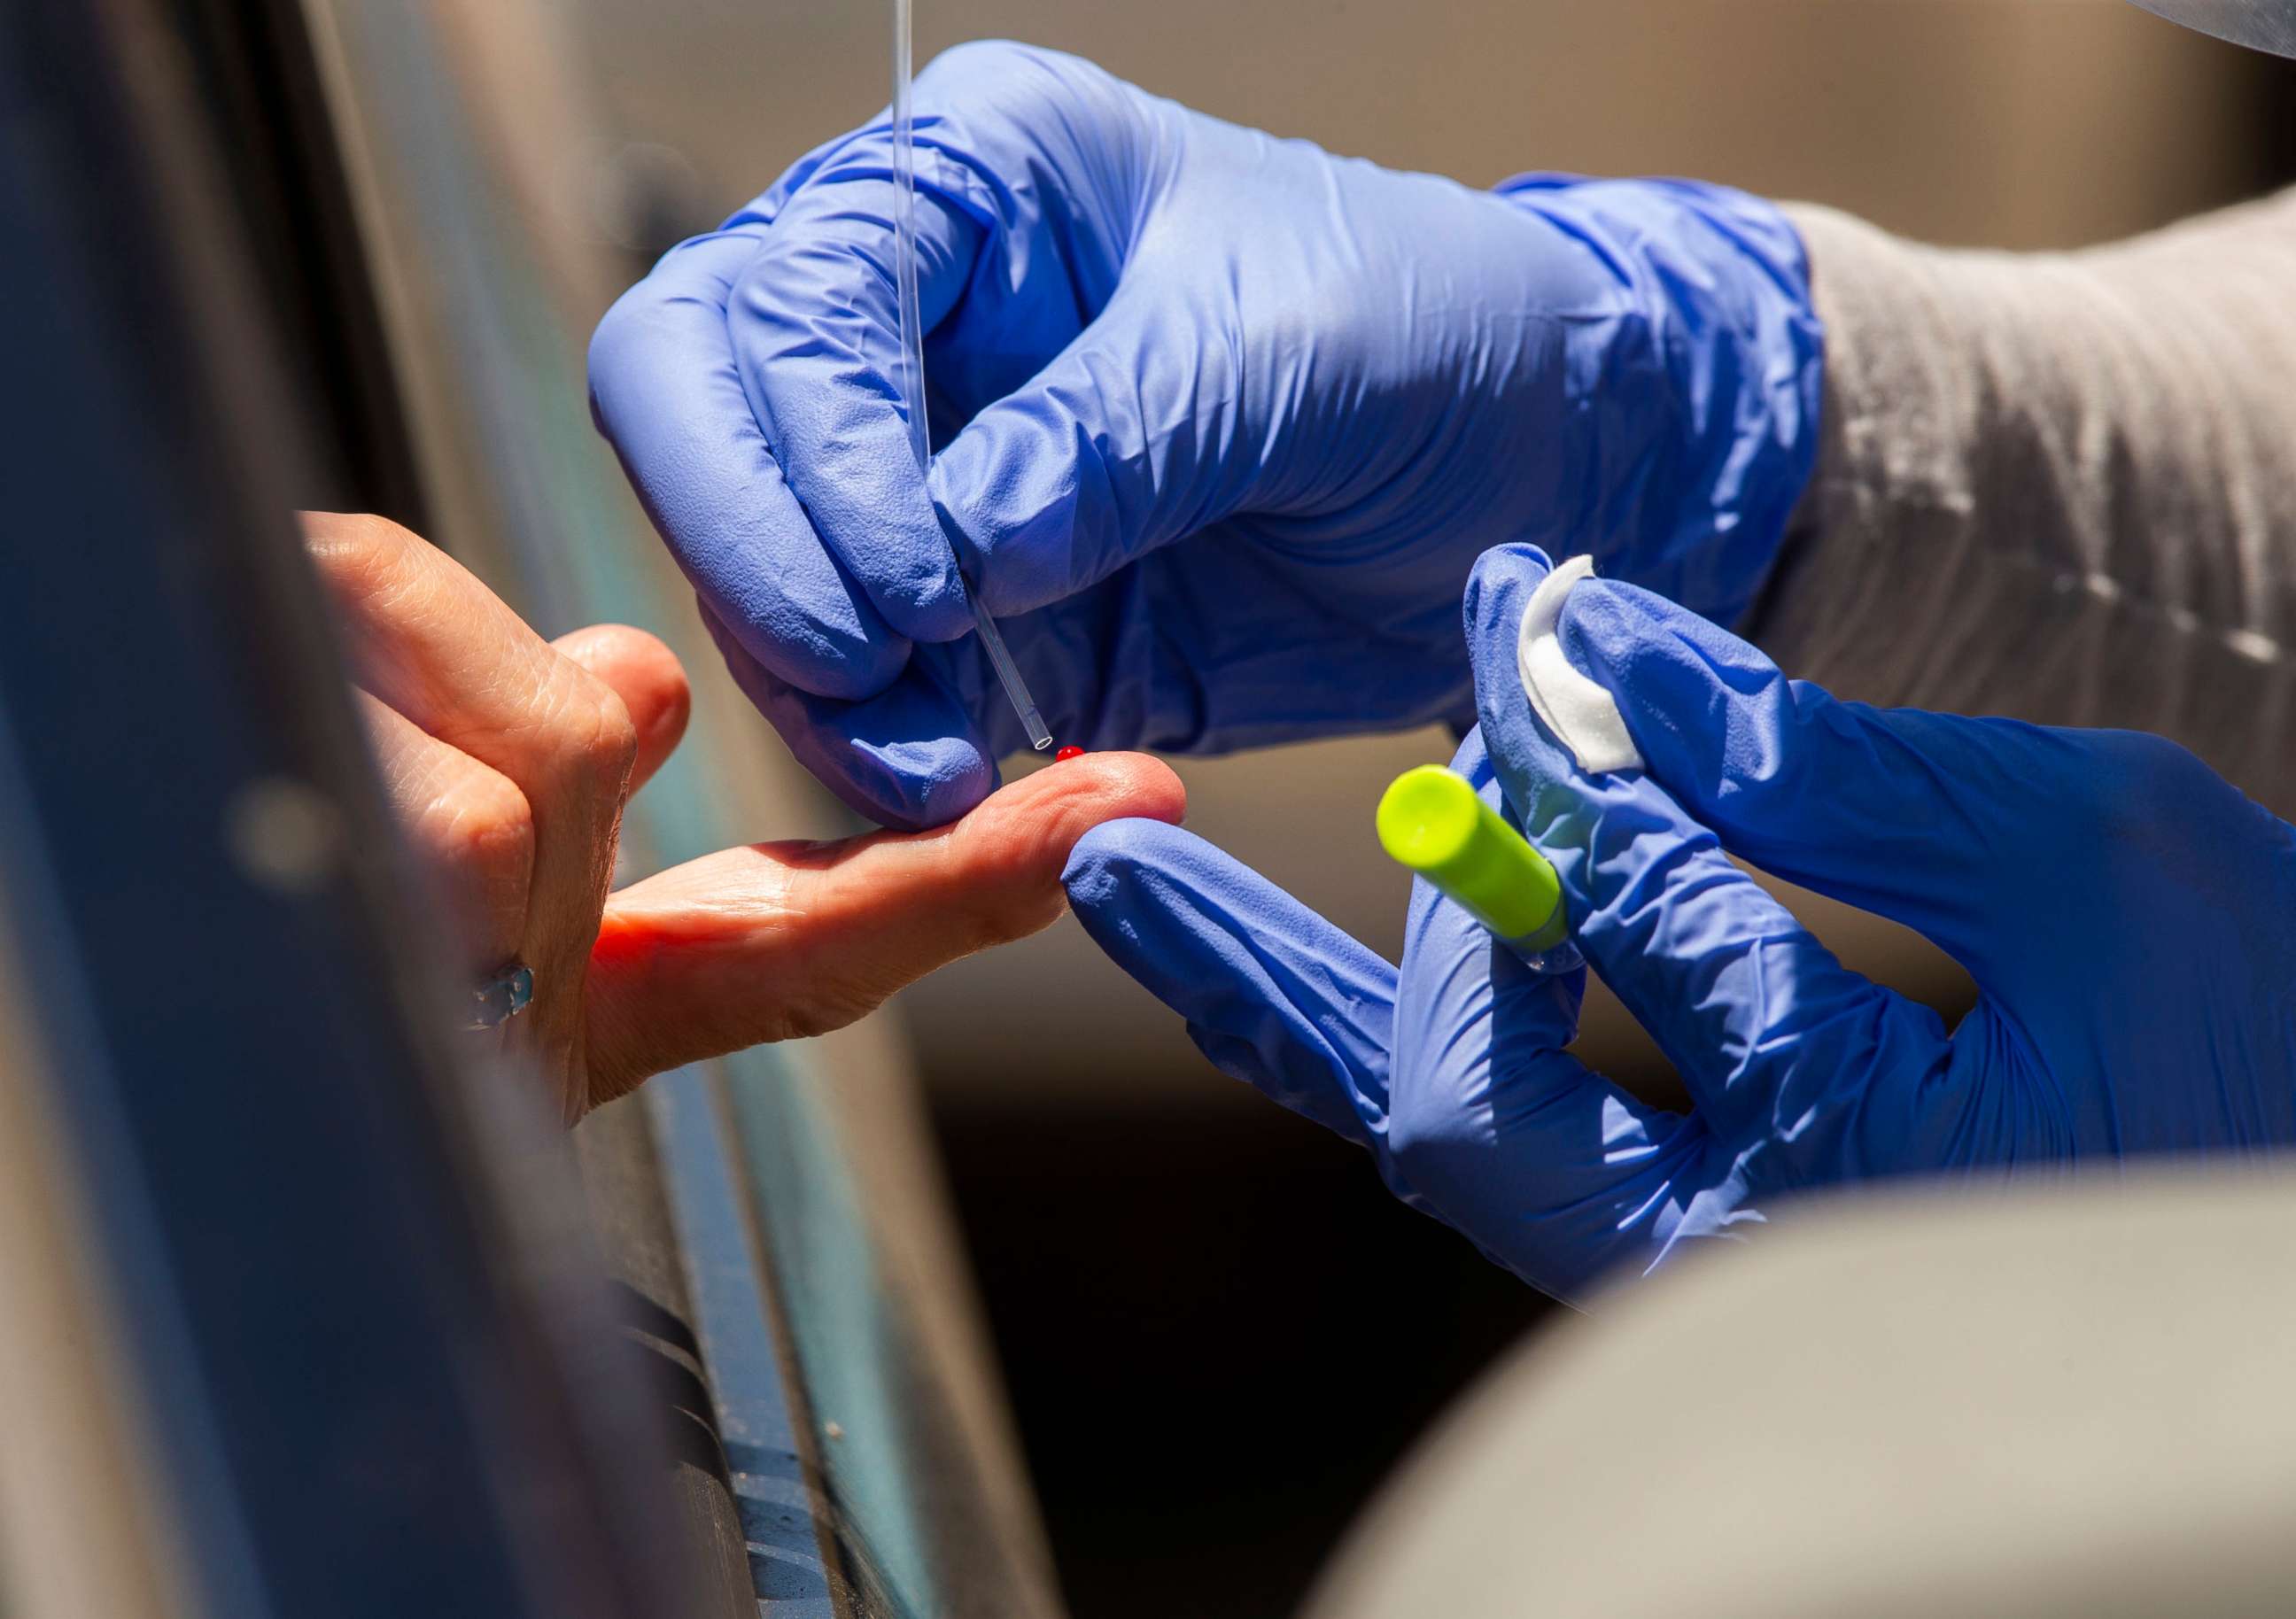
2060,486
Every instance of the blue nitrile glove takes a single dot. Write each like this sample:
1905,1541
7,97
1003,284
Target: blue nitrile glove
2130,918
1226,421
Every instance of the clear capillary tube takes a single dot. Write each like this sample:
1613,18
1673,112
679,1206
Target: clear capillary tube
911,381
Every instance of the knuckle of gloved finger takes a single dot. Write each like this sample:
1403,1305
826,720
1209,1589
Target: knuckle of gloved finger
2144,785
1438,1142
912,581
1003,95
1004,74
619,343
633,344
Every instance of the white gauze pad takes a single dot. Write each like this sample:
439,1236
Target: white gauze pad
1580,714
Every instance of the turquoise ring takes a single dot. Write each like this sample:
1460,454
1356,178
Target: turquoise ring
502,997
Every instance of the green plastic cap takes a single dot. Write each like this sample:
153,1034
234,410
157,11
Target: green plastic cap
1432,821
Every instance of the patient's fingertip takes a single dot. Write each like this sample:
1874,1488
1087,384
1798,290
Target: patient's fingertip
1110,784
1162,795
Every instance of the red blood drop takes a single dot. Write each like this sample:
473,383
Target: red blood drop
1070,752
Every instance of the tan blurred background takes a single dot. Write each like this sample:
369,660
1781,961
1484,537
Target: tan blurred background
1217,1329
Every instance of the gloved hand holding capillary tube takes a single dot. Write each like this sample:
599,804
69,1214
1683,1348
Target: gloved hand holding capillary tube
2128,916
1227,418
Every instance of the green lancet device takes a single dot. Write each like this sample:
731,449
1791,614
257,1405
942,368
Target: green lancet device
1433,822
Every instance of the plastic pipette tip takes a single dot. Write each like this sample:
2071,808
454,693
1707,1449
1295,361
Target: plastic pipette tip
1070,752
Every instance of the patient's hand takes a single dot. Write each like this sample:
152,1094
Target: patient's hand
508,760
